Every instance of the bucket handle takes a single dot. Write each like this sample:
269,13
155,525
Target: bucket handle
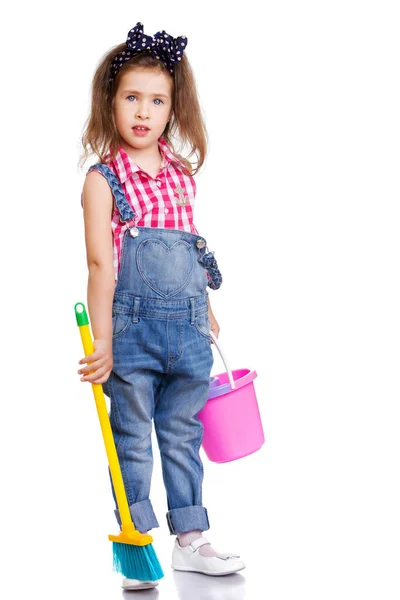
219,348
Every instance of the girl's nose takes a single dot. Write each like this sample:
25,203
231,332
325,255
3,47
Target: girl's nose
142,112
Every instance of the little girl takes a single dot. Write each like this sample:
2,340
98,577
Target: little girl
147,284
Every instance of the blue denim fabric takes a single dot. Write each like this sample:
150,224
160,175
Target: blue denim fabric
162,363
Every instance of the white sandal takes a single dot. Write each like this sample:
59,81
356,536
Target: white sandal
188,558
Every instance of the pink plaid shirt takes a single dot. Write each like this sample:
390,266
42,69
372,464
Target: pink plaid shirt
166,201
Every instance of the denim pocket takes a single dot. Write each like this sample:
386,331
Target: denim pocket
166,270
120,323
203,326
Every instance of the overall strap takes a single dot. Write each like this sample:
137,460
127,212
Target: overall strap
124,208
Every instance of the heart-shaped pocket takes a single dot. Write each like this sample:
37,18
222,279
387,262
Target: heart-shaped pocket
166,270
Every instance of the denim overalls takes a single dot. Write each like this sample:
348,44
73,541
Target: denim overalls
162,363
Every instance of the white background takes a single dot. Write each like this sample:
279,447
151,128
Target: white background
299,199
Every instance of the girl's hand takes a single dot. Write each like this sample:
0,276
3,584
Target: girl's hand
101,363
214,324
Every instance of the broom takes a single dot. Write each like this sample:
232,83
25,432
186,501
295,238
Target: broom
133,553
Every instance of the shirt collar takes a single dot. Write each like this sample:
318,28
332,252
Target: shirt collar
125,166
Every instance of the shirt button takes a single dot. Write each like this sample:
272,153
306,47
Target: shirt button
166,211
158,182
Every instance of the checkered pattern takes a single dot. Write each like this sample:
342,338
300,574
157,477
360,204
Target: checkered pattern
155,201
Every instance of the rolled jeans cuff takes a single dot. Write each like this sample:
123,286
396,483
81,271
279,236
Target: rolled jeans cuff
142,514
187,518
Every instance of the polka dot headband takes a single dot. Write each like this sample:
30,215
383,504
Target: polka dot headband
167,49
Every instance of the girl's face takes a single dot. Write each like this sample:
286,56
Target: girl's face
143,106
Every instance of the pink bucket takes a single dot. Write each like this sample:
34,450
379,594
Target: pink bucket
231,418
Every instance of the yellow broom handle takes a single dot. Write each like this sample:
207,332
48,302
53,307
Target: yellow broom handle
112,456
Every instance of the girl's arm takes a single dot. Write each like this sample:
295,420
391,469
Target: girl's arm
213,321
97,207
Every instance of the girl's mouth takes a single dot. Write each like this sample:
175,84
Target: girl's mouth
140,131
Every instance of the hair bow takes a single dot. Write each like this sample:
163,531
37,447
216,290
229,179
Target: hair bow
163,46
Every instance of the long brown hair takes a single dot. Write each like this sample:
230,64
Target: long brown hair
185,132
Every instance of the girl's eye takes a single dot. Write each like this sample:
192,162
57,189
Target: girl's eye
158,100
131,96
